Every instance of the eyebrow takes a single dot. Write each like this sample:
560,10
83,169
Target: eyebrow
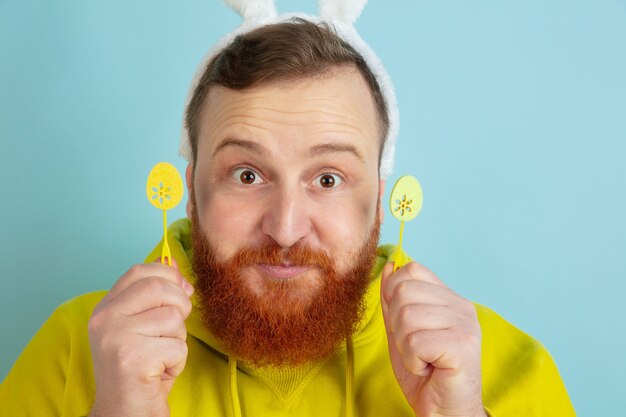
315,151
240,143
327,148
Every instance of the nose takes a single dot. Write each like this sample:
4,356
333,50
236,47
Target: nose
287,219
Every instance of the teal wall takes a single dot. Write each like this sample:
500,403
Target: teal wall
513,118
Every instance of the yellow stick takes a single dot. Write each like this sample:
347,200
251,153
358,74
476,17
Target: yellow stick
399,249
165,251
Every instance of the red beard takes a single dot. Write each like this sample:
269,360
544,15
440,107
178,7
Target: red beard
285,322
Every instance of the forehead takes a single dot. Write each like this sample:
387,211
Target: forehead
337,106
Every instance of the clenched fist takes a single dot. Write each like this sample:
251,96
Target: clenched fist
434,343
138,344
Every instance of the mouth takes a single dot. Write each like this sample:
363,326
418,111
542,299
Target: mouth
282,271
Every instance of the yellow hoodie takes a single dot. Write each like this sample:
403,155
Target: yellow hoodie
54,374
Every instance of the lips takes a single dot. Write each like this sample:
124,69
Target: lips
282,271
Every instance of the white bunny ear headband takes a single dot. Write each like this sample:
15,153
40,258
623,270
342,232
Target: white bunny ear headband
340,15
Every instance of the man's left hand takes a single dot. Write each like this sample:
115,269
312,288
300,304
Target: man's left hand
434,343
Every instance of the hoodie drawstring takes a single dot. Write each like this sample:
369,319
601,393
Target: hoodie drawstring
349,376
234,391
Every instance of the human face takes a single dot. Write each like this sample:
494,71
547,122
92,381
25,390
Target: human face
290,162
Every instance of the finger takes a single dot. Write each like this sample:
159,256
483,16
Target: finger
150,293
163,260
411,291
387,271
393,350
141,271
386,274
443,349
418,358
185,283
410,271
170,356
165,321
175,364
408,319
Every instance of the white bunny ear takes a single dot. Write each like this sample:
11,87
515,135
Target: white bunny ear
346,11
253,11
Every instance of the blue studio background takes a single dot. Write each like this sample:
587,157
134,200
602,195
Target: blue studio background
513,118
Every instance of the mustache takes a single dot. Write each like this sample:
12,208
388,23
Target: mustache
273,254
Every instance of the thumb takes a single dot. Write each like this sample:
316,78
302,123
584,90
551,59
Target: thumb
387,271
384,299
394,354
189,289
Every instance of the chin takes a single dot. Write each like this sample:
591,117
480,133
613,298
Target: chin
290,293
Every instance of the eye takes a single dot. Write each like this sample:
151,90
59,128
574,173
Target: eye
246,176
328,180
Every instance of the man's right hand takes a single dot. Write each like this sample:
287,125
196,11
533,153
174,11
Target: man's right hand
138,343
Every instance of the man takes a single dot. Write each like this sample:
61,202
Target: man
279,302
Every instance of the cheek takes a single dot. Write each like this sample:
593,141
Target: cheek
344,227
229,225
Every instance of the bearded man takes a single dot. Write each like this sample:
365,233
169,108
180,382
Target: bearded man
280,302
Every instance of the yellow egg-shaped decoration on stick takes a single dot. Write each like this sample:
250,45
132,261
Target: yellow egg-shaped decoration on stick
405,204
164,187
406,198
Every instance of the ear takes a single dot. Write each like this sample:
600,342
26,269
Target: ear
346,11
253,11
189,180
381,207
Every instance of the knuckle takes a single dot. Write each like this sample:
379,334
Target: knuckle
179,349
96,322
93,324
413,268
154,285
401,288
412,342
405,314
178,277
135,270
184,349
176,316
468,306
187,307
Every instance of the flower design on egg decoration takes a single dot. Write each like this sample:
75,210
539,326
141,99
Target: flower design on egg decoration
161,193
403,205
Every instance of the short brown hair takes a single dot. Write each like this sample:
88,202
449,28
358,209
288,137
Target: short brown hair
290,50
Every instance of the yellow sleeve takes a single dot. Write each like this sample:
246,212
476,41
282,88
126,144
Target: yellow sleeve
54,375
520,377
33,386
